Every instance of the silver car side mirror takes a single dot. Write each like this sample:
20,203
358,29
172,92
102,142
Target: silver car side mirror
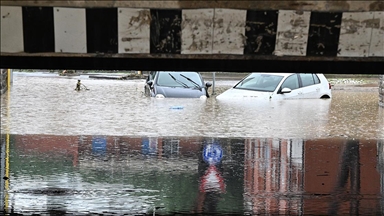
150,83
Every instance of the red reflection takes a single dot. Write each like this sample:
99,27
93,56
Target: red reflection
212,181
325,176
52,145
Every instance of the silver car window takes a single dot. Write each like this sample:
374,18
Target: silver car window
165,79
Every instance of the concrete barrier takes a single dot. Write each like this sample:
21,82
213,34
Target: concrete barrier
381,90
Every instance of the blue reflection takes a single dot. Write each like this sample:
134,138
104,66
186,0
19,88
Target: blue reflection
149,146
99,146
212,153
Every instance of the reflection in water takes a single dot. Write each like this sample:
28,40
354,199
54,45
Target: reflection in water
191,175
380,150
274,176
349,170
211,181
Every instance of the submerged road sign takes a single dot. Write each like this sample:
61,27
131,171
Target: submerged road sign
212,153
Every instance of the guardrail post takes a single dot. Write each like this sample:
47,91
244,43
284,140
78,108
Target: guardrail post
381,90
10,74
3,81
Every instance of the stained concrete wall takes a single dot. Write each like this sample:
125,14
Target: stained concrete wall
214,31
299,34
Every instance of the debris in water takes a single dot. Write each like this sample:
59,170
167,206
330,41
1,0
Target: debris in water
176,107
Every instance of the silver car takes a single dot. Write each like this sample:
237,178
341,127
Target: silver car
176,84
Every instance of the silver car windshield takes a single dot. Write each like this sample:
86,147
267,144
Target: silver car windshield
260,82
168,79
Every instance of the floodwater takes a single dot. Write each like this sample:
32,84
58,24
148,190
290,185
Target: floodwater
112,151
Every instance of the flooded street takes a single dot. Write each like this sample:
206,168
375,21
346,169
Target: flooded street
110,150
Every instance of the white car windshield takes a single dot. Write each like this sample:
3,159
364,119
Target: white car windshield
179,79
259,82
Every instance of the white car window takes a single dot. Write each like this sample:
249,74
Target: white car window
291,82
309,79
260,82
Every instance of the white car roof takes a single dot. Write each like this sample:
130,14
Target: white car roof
278,74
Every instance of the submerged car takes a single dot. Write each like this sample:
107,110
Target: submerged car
176,84
280,86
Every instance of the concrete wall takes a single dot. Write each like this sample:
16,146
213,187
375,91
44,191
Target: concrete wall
215,31
289,35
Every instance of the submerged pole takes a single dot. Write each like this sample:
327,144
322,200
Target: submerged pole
213,82
381,90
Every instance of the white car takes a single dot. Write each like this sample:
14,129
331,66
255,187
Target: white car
279,86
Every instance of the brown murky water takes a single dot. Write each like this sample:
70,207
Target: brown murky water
49,105
110,150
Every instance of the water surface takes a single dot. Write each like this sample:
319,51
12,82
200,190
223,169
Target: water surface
110,150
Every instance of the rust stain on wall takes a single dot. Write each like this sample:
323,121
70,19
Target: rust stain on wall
292,33
355,34
129,39
134,30
299,22
144,18
229,30
351,26
197,29
372,23
377,34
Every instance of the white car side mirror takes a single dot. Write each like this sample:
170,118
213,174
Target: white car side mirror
286,90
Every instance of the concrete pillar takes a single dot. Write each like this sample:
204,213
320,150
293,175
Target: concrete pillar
381,90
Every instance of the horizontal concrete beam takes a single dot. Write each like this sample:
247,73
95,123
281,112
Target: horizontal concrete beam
197,57
312,5
178,62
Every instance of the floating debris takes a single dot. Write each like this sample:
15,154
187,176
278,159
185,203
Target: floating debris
177,107
347,81
118,77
